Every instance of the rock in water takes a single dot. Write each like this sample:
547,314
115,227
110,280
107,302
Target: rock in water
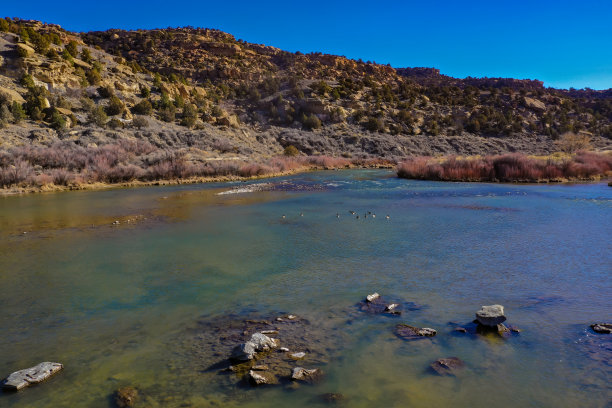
602,328
372,297
407,332
491,315
306,375
33,375
126,397
297,356
332,397
447,366
261,378
259,342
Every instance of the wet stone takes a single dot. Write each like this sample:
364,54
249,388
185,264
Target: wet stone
379,305
331,398
257,378
447,366
407,332
491,315
33,375
306,375
125,397
602,328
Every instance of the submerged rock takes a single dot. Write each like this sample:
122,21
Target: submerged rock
407,332
297,356
447,366
602,328
258,343
257,378
310,376
491,315
331,397
125,397
33,375
376,304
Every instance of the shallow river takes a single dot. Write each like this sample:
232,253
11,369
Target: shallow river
129,303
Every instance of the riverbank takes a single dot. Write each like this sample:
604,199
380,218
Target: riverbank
76,186
510,168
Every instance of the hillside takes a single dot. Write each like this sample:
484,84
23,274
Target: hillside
203,91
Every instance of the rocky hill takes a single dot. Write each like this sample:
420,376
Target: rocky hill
201,89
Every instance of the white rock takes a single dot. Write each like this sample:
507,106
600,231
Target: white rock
372,297
33,375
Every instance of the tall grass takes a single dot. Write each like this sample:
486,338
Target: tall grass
508,168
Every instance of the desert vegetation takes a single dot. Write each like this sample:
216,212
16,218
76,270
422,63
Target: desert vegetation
68,165
509,168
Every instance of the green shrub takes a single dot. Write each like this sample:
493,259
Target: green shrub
57,120
97,116
291,151
190,115
18,112
115,106
93,77
86,55
115,123
4,25
143,107
145,92
21,52
72,48
27,81
105,91
373,124
311,122
168,114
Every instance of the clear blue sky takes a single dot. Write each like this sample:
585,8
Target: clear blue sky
564,43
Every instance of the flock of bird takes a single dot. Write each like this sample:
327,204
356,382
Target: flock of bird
365,215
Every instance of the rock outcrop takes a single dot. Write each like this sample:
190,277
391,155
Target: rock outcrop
258,343
407,332
602,328
491,315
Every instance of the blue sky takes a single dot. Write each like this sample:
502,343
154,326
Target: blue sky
564,43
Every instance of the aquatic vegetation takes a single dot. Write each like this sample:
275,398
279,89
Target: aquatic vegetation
508,168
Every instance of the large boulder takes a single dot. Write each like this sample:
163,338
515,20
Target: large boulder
491,315
33,375
258,343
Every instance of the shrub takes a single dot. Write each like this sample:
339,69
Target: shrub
105,91
97,116
145,92
143,107
168,114
93,77
18,112
72,48
572,142
115,106
291,151
57,120
311,122
140,122
373,124
115,123
4,25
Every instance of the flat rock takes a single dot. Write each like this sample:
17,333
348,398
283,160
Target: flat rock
372,297
33,375
407,332
602,328
447,366
297,356
491,315
306,375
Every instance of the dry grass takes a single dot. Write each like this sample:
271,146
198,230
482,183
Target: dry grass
127,161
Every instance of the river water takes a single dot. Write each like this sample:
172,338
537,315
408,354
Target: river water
129,303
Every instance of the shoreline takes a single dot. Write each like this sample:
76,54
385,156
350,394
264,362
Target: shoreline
97,186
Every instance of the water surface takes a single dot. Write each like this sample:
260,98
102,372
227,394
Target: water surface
118,304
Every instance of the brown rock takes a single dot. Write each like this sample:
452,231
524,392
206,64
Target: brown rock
447,366
406,332
126,397
602,328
